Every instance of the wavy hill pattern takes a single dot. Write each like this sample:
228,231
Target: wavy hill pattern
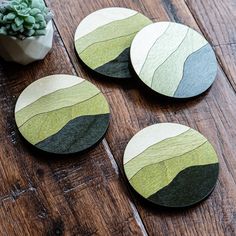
56,100
195,62
45,86
164,172
80,134
57,113
181,192
109,42
119,66
164,150
152,135
182,61
159,164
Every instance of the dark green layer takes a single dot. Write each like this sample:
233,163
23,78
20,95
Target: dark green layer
188,187
78,135
118,68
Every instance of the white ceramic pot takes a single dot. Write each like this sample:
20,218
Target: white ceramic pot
27,50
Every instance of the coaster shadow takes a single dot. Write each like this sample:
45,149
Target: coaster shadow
135,83
153,96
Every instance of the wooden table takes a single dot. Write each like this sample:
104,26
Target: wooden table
88,194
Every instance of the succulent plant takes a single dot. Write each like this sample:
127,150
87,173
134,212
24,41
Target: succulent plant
24,18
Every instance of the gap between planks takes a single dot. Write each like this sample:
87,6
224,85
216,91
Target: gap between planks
114,164
105,143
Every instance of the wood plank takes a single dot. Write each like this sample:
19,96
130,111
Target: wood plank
46,195
217,21
133,108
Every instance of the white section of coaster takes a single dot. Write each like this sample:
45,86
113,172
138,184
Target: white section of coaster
173,60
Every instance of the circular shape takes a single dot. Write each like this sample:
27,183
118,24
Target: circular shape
62,114
103,39
171,165
174,60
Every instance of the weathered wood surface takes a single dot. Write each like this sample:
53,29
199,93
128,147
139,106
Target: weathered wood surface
88,194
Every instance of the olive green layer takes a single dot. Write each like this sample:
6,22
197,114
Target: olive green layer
189,187
101,53
45,125
166,149
56,100
77,135
154,177
115,29
109,41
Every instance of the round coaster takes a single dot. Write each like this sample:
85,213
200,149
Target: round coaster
173,60
171,165
103,39
62,114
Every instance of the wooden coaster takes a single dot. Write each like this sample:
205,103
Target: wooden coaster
62,114
173,60
171,165
103,39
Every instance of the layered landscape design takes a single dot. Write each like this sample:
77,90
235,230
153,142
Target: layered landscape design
103,40
176,61
171,165
62,114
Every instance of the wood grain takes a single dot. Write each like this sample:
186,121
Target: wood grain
88,194
133,109
218,25
47,195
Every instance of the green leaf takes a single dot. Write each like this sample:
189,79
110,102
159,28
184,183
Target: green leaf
24,18
5,19
30,20
11,16
19,21
34,11
3,31
23,12
30,33
28,26
23,5
43,24
15,27
39,18
38,4
10,8
15,2
36,26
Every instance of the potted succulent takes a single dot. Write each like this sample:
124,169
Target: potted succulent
26,30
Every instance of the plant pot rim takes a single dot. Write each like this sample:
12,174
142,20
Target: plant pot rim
49,24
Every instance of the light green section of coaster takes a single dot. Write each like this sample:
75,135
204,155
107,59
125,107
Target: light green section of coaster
164,150
175,60
109,32
62,114
100,53
154,177
46,124
191,43
103,40
57,100
162,171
